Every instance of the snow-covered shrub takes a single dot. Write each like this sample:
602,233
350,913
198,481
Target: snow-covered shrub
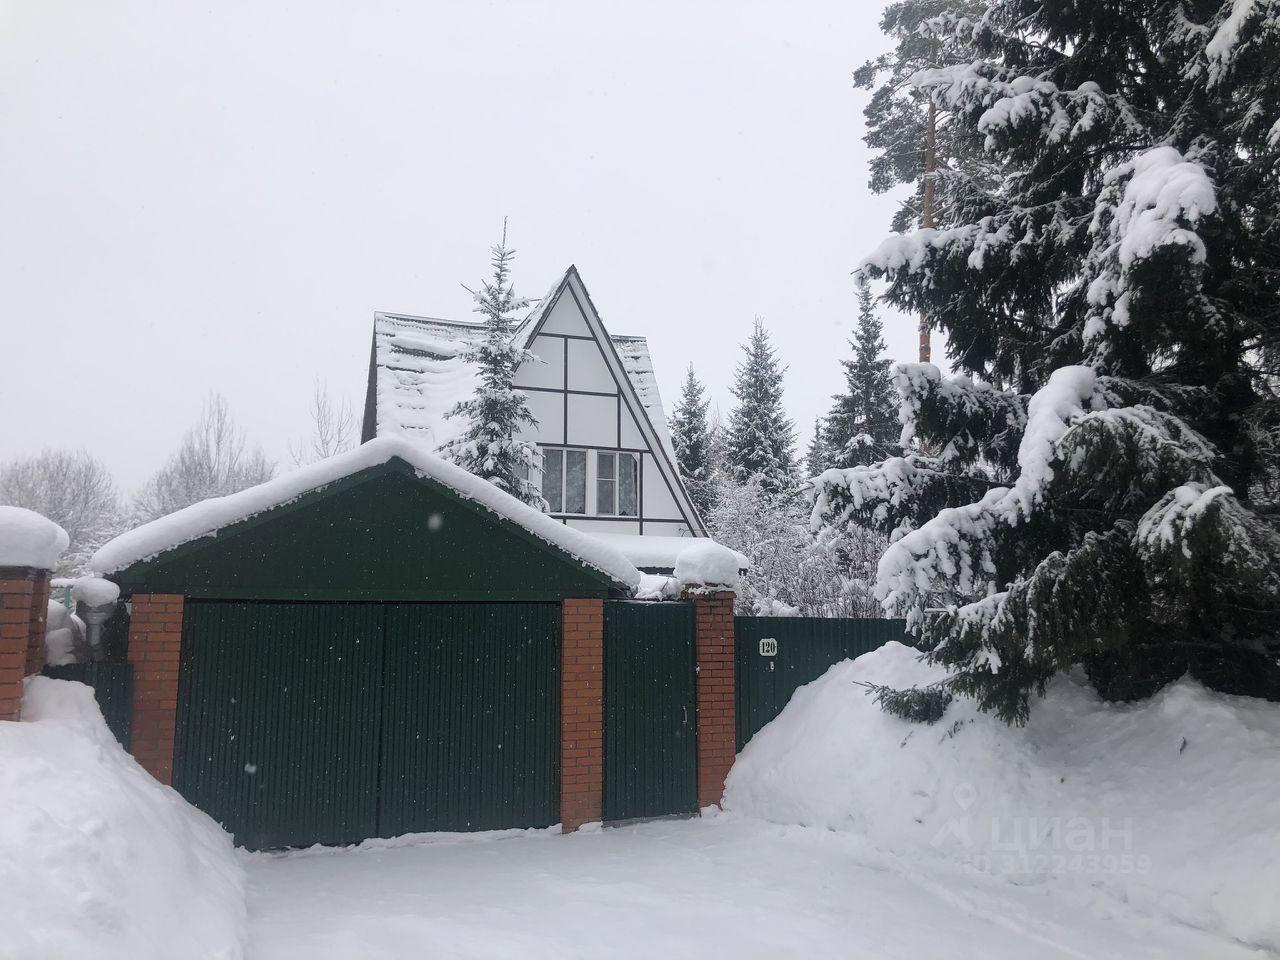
1168,804
98,859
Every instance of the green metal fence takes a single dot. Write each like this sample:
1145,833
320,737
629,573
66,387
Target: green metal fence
112,685
776,655
650,722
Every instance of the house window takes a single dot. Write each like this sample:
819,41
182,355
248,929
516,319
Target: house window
564,480
617,484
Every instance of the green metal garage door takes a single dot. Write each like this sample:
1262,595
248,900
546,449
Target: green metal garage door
650,722
303,723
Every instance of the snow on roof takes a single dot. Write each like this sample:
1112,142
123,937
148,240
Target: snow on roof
206,518
420,375
28,539
648,552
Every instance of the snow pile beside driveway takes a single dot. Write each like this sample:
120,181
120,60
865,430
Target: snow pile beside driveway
97,859
1168,804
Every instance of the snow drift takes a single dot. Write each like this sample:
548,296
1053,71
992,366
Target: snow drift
97,859
1169,804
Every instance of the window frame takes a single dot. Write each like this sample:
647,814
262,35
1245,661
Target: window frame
565,453
615,483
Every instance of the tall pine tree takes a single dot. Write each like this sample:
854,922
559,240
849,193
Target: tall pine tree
490,446
863,424
1096,495
691,436
760,438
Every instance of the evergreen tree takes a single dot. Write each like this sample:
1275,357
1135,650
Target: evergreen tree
1097,497
817,457
913,141
863,424
760,438
490,447
691,436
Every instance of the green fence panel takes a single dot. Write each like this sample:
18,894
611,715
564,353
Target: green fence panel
804,648
112,685
278,712
650,722
471,705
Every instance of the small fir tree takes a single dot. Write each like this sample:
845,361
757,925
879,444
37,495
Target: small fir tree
691,436
490,446
760,440
817,458
863,424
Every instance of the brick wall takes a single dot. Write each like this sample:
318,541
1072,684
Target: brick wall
24,598
155,642
581,713
713,623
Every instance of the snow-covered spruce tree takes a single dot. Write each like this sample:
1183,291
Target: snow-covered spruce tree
691,436
1094,498
817,457
760,440
495,414
863,426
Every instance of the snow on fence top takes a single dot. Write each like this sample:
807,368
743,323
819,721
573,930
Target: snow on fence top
29,540
206,518
704,563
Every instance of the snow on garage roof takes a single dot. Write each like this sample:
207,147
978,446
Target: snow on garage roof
656,552
420,375
206,518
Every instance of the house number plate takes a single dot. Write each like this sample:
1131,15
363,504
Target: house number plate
768,647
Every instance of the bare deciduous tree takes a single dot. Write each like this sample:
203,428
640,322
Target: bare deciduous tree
792,571
334,427
72,489
212,461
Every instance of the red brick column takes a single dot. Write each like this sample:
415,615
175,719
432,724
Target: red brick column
581,713
18,593
37,621
713,625
155,640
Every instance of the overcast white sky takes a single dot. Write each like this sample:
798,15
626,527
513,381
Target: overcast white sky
219,195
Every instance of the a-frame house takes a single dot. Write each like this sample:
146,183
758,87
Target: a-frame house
607,463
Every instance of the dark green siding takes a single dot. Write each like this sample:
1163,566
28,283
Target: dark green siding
471,706
807,647
278,711
112,685
303,723
650,722
382,534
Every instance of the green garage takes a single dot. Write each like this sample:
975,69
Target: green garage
371,651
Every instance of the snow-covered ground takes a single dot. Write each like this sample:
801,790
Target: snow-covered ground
724,886
849,834
98,861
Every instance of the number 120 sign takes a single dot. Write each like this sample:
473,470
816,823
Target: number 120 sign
768,647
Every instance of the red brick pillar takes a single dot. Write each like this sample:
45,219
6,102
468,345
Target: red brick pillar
24,594
155,640
713,625
581,713
37,621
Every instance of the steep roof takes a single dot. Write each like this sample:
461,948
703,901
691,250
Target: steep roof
417,373
209,517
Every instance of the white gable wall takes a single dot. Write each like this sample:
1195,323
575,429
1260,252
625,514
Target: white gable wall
580,403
